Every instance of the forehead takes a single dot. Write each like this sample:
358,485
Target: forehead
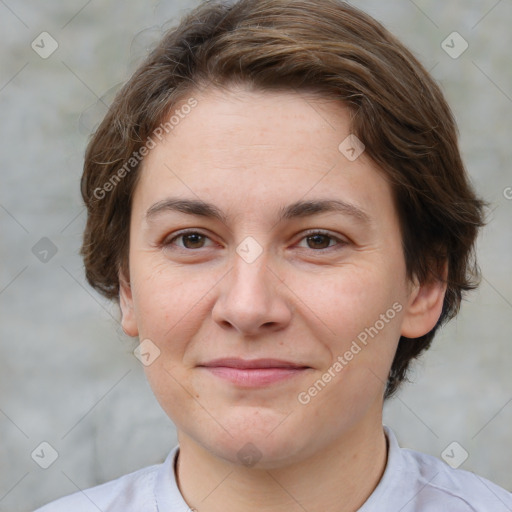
241,147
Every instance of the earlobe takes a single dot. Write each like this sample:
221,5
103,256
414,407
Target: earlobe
424,307
128,321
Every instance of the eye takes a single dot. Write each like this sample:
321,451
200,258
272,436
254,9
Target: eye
191,240
315,239
320,240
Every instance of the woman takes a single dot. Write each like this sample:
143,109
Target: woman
277,200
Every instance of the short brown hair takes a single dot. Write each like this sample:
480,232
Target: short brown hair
332,49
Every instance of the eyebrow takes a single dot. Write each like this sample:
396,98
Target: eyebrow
298,209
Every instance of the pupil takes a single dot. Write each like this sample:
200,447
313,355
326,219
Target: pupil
196,238
316,240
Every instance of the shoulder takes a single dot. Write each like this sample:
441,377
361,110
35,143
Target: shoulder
131,492
429,484
442,484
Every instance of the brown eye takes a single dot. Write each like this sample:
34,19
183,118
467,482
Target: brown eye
190,240
193,241
318,241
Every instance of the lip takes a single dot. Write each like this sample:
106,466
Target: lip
255,372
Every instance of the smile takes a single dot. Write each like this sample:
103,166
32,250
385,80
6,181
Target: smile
255,373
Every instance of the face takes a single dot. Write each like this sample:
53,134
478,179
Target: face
273,311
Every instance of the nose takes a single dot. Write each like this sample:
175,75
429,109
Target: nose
252,299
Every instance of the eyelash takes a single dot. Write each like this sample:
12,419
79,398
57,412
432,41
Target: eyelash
340,242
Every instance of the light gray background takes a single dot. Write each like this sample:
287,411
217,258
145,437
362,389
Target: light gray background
67,372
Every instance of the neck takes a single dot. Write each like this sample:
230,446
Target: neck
339,478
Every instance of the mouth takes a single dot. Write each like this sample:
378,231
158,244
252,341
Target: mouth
253,373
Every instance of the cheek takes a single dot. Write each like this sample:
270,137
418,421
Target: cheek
166,297
174,394
362,307
349,299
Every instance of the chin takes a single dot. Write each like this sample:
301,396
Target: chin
260,454
259,438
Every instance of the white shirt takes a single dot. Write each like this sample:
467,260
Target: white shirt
412,482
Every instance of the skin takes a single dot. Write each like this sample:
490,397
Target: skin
251,153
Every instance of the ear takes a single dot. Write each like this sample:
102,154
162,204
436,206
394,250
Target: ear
128,321
424,306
